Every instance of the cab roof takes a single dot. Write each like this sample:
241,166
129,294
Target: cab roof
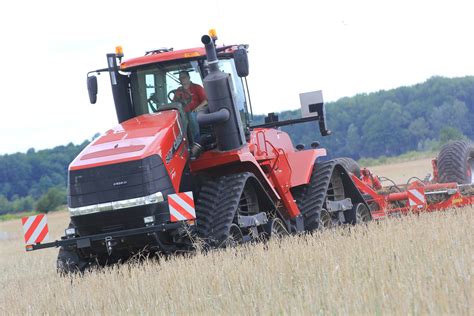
162,55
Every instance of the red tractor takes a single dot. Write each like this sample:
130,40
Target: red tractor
150,185
147,185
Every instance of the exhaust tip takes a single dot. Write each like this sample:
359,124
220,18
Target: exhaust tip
205,39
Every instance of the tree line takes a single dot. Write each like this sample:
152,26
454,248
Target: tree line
35,179
390,123
384,123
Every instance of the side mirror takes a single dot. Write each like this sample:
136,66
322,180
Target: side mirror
92,88
241,62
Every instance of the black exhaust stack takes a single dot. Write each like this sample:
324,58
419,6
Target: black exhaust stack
120,83
223,114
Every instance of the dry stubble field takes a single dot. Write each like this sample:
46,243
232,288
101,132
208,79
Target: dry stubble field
412,265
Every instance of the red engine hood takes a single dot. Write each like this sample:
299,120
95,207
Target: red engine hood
134,139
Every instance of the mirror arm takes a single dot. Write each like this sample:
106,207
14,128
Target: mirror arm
248,94
98,71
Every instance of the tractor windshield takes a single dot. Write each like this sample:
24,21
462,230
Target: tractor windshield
155,85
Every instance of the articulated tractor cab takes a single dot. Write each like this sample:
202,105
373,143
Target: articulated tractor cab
153,185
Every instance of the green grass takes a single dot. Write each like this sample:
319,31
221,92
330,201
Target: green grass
11,216
408,156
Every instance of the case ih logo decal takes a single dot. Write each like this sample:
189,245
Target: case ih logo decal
119,183
177,142
35,229
416,198
181,206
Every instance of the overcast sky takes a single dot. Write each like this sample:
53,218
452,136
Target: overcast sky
341,47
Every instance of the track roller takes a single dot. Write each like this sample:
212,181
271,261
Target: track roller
325,220
275,228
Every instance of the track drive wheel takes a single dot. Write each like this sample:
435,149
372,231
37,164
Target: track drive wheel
220,202
328,182
456,162
325,184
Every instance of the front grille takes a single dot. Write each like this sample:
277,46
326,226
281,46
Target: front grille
118,182
104,222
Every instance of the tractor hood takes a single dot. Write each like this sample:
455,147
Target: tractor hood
134,139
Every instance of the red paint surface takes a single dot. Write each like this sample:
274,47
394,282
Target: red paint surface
270,155
135,139
189,53
386,201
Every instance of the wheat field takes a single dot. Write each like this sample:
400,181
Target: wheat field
410,265
401,172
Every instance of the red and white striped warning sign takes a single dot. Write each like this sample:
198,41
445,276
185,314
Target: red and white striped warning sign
181,206
416,197
35,229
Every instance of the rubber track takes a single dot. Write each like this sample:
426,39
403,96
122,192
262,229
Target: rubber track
69,261
452,161
311,197
350,165
216,207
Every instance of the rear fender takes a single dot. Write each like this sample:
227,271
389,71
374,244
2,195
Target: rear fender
301,163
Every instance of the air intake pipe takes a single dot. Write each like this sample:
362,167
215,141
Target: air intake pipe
223,114
120,83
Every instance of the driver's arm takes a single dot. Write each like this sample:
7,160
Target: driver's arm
201,106
201,94
178,94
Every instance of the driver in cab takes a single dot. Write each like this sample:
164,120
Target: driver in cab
194,99
191,94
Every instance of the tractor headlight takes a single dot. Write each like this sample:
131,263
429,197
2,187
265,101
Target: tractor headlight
117,205
149,220
70,232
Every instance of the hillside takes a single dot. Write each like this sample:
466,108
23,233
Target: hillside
27,178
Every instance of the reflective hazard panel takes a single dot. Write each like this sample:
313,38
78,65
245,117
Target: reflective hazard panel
416,198
181,206
35,229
